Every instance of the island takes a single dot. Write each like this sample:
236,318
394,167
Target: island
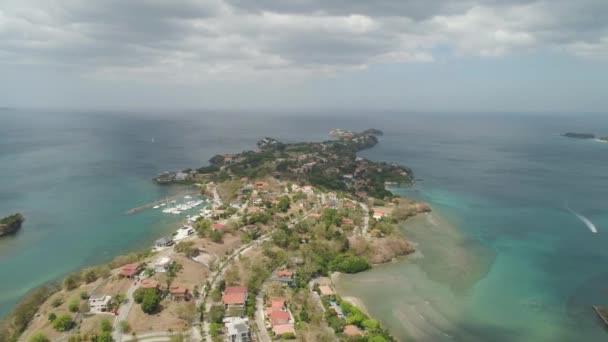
579,135
11,224
255,264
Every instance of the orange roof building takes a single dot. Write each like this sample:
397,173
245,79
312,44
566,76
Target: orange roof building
282,329
353,330
326,290
129,270
278,317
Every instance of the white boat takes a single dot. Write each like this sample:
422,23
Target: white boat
155,207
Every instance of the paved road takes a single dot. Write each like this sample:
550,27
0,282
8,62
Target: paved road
123,312
219,274
365,231
259,315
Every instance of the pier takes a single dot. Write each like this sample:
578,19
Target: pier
159,202
602,313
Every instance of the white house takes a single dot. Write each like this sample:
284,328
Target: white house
237,329
162,265
99,304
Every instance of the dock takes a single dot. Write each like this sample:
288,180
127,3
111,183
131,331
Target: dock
602,313
159,202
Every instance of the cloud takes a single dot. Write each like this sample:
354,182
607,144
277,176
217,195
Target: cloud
193,40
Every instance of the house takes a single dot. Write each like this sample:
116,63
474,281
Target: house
129,270
218,226
260,184
315,215
237,329
150,284
326,290
378,214
235,296
99,304
179,293
352,330
183,233
283,329
181,176
334,306
164,242
307,189
278,317
349,204
162,264
277,304
284,276
347,221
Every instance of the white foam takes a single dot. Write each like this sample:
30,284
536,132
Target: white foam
586,221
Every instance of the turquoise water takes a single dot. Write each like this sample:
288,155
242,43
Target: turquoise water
528,268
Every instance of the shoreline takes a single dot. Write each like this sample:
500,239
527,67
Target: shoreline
432,283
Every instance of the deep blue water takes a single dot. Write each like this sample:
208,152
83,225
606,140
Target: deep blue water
505,179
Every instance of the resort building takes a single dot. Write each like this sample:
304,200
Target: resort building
235,296
352,330
179,293
129,270
164,242
98,304
283,329
379,214
162,265
150,284
279,317
237,329
284,276
326,290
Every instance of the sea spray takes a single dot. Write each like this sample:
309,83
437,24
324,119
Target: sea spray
585,220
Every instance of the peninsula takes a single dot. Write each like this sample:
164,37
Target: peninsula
579,135
254,265
11,224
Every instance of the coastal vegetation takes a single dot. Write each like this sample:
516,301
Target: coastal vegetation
11,224
316,209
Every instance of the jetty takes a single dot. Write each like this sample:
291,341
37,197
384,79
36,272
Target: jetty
159,202
602,313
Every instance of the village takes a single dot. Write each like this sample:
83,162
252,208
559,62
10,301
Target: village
253,265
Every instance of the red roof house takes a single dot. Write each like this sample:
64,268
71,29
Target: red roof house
278,317
283,329
129,270
235,296
218,226
149,284
352,330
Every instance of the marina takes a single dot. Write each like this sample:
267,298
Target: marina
161,203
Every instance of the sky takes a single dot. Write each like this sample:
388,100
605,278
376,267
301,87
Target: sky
414,55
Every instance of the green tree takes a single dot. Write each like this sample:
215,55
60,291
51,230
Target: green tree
71,282
284,204
52,317
74,305
216,236
216,329
39,337
217,313
106,325
105,336
371,326
63,323
150,302
124,326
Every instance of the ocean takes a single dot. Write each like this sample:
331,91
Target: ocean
503,257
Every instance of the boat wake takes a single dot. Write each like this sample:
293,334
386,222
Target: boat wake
585,220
